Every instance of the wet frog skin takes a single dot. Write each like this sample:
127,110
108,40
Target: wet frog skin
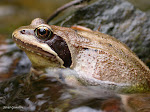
98,59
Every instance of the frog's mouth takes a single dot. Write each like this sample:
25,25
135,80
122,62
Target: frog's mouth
33,48
54,49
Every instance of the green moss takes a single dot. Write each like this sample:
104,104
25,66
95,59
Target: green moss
136,89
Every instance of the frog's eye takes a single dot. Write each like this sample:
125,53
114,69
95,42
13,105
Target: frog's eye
43,32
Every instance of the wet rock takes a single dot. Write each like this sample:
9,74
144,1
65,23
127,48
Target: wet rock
23,66
5,62
117,18
7,58
13,61
137,102
84,109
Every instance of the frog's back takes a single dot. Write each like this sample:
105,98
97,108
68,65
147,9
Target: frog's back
99,58
114,61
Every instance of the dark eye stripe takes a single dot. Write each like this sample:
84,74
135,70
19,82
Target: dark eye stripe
59,45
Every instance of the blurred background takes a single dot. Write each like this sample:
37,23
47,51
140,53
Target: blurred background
16,13
141,4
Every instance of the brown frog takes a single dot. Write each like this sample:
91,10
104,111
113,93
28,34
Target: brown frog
98,58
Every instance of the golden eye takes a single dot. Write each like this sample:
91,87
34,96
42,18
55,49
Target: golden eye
43,32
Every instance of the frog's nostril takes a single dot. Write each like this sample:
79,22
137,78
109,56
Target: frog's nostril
22,31
27,32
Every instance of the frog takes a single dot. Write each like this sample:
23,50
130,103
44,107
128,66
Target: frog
98,59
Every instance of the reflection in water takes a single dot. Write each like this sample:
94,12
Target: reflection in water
35,93
47,94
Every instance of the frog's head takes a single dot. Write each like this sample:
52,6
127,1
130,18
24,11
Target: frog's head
42,45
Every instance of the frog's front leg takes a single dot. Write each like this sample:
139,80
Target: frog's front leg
66,76
70,80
